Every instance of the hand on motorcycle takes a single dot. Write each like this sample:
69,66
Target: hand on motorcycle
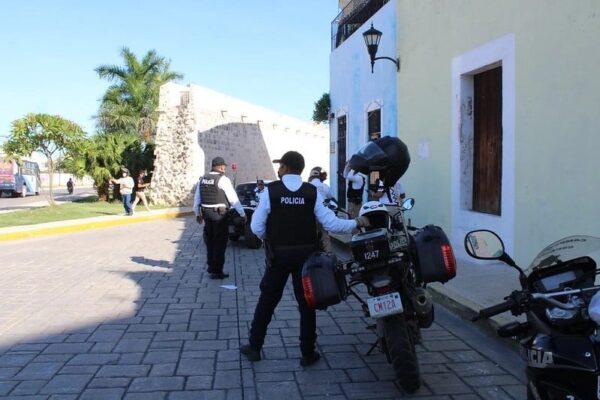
362,222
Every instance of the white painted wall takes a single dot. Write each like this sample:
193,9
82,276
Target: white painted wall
354,90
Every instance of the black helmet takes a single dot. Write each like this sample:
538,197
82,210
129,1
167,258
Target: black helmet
388,155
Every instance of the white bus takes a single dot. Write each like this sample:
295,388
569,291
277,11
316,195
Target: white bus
19,180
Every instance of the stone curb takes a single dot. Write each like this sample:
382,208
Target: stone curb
75,225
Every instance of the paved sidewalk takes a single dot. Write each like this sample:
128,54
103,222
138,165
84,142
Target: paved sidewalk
129,313
477,284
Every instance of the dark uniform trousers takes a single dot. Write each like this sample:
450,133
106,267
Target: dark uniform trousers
216,234
280,265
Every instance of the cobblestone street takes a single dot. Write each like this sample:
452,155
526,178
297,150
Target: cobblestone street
129,313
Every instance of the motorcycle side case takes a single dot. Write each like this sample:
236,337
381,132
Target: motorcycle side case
371,246
323,284
434,252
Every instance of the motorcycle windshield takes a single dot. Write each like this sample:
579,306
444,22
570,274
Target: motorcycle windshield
566,249
373,155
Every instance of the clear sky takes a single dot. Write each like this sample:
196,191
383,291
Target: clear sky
274,53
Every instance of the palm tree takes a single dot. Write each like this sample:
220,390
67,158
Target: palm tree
102,157
130,103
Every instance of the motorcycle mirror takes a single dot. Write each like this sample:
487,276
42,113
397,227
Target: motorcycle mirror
409,203
484,245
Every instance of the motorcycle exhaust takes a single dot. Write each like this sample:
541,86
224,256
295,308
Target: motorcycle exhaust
423,305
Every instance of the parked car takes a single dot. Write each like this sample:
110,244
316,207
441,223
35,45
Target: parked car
249,199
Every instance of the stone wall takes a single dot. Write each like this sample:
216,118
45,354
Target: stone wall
197,124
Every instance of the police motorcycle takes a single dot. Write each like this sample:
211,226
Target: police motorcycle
393,261
560,340
249,199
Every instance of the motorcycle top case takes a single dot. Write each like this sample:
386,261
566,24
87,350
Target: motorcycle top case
371,246
323,284
435,255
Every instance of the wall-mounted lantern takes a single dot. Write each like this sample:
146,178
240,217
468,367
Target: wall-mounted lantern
372,37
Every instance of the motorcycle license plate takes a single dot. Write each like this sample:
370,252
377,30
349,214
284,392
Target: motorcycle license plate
385,305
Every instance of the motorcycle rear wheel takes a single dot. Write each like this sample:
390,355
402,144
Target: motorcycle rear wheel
402,352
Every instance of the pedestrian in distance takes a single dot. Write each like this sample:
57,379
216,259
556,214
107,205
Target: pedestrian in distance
70,186
214,197
126,184
286,219
140,188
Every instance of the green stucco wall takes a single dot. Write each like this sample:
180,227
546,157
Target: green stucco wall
557,108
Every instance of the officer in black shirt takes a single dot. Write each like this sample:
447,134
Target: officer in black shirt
286,219
214,196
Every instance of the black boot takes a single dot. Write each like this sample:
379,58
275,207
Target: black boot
250,352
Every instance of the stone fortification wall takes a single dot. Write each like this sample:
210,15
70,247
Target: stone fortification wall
197,124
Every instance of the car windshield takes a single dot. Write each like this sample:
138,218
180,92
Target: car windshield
566,249
245,192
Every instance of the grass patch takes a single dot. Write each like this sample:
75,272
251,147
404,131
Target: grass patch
82,208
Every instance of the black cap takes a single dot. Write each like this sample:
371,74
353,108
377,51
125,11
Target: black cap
292,159
218,161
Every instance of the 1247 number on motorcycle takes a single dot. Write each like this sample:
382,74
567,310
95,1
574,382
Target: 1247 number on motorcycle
382,306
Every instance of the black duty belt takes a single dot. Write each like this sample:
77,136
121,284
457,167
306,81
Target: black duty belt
218,210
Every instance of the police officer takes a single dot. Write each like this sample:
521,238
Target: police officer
286,218
214,196
391,196
355,190
317,177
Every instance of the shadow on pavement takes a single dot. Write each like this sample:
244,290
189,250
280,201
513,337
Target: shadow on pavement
152,263
179,339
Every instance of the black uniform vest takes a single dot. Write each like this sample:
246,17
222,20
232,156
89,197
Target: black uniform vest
355,195
210,192
292,218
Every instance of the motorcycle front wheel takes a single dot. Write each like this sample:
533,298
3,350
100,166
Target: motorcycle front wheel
401,351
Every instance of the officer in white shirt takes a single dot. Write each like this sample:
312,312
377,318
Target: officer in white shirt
286,219
213,198
391,196
317,178
355,189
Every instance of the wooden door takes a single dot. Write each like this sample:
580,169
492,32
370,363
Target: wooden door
487,151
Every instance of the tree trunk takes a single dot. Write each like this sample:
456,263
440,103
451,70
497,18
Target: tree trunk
51,180
102,189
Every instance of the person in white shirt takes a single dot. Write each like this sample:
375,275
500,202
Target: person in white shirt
316,178
355,189
126,184
286,219
214,197
391,196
